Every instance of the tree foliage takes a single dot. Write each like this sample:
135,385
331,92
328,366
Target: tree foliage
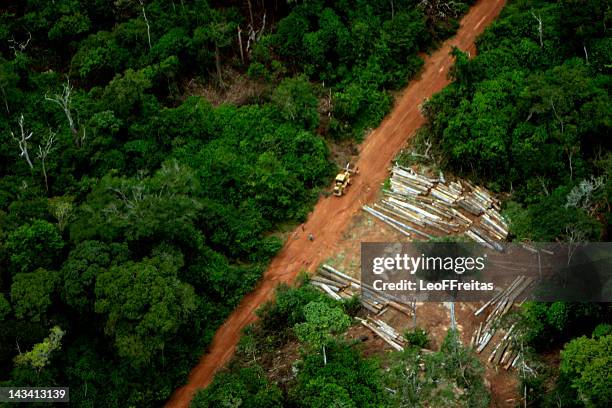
31,293
247,387
144,304
587,362
347,380
34,245
433,379
40,355
322,324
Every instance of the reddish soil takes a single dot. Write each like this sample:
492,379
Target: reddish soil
332,215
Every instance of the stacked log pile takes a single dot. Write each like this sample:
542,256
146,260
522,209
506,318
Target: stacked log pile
503,352
422,207
339,285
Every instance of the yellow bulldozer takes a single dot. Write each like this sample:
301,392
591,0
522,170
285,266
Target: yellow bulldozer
343,180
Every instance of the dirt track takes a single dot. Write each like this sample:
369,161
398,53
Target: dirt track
332,215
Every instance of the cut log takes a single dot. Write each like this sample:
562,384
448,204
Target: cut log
487,337
330,292
401,308
382,335
328,282
322,285
390,220
368,306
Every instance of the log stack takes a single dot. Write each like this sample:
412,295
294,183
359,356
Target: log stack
339,285
504,351
422,208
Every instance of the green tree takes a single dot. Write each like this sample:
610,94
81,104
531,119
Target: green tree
246,387
84,264
296,101
34,245
348,380
546,324
62,209
452,376
99,58
69,26
323,394
145,305
216,35
32,293
323,323
39,356
159,208
126,93
5,307
588,364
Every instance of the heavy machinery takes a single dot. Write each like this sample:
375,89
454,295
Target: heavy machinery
343,179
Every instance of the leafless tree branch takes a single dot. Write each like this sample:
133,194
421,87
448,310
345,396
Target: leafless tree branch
22,141
43,152
17,46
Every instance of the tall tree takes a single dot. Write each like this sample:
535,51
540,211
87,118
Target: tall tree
144,304
323,323
32,293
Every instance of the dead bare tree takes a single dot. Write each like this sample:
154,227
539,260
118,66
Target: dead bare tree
540,28
575,237
439,9
570,151
452,313
17,46
425,155
251,12
255,35
252,37
43,152
64,100
240,44
543,183
570,154
552,105
581,195
263,27
22,141
144,15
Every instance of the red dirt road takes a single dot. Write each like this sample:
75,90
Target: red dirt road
332,215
